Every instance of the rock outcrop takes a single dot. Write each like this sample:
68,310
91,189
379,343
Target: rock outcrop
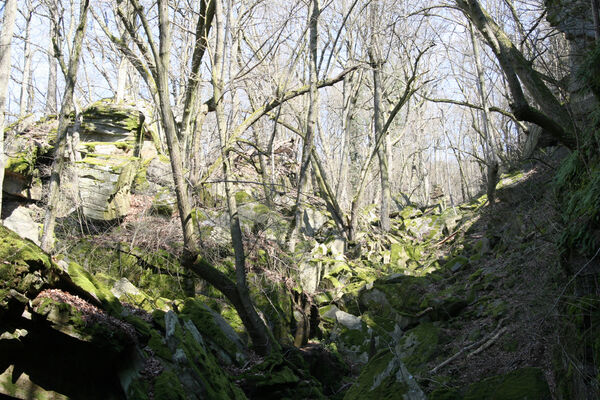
64,335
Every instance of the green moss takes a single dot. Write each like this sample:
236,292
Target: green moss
231,316
404,293
445,394
124,117
140,181
25,268
87,282
378,380
158,346
354,337
419,346
277,377
457,263
22,163
142,327
204,320
216,382
577,186
496,308
125,146
69,320
138,390
242,197
168,387
525,383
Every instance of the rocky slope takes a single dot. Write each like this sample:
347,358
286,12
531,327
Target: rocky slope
455,303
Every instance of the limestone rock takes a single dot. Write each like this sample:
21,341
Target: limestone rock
123,287
104,185
21,221
159,172
348,320
313,221
81,344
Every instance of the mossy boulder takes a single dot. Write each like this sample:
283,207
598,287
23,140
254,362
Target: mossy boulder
24,270
429,227
278,377
521,384
108,122
221,337
418,346
403,296
410,212
385,377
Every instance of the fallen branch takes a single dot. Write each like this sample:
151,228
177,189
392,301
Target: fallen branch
488,343
425,311
480,345
448,238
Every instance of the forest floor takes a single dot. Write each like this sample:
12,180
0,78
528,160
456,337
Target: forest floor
512,321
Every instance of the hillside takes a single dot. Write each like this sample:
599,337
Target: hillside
453,303
342,199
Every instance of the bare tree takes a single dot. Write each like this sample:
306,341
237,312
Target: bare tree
257,329
52,88
311,122
488,132
63,125
519,73
8,24
376,62
26,96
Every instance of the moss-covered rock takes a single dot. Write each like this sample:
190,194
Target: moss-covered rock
521,384
418,346
24,270
279,377
105,183
89,284
216,331
385,377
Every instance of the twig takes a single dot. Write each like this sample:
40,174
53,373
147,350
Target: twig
481,344
425,311
488,343
447,238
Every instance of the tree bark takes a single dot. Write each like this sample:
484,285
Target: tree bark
25,100
255,326
552,115
51,99
8,25
488,131
311,124
596,17
376,62
63,125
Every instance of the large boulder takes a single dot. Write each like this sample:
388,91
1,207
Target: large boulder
64,335
111,137
105,184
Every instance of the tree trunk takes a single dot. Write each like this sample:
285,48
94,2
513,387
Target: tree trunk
255,326
490,143
8,24
51,99
311,123
63,126
552,115
382,153
596,17
25,101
